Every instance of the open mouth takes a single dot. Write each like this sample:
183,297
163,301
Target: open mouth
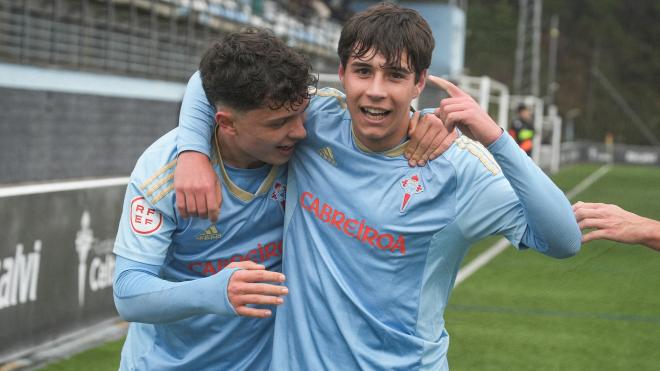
375,113
285,148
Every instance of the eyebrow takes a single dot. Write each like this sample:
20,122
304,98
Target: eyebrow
360,64
398,69
391,68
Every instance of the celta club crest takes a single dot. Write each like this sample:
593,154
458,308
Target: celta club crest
279,194
411,186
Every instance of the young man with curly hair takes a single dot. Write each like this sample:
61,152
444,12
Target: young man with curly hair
373,246
199,295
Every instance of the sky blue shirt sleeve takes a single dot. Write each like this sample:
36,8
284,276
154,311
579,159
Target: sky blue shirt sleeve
552,229
196,119
141,296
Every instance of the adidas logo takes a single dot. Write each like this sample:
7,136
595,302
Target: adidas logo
211,233
326,154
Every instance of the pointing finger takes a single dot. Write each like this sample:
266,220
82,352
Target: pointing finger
447,86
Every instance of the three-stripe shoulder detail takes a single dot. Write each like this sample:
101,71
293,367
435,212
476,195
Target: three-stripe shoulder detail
160,183
334,93
479,151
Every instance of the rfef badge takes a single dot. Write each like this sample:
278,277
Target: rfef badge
145,220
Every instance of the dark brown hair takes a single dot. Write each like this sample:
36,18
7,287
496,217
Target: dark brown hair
390,30
252,68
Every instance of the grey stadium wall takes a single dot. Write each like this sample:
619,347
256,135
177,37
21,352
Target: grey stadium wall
59,124
68,142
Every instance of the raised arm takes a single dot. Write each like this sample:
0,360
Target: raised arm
196,185
552,229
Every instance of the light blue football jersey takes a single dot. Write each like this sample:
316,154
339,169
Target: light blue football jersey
151,232
373,246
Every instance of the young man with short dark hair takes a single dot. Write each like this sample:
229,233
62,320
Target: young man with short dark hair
183,283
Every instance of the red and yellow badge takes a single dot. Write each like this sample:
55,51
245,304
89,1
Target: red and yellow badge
411,186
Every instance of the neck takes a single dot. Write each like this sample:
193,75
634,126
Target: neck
382,145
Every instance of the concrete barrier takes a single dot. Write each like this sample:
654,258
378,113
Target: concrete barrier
56,262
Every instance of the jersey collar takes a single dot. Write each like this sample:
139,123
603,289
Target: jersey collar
393,152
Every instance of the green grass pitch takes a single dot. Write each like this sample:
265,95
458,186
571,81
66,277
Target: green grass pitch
599,310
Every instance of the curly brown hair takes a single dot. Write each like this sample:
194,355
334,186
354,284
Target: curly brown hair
390,30
251,69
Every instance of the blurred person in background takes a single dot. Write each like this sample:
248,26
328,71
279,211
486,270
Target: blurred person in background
522,129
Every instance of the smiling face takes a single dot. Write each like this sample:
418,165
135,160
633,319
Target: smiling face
263,135
260,88
378,96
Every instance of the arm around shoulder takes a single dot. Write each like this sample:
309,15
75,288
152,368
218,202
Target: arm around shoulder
196,119
195,182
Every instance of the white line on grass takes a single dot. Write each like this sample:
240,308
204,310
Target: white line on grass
588,181
502,244
481,260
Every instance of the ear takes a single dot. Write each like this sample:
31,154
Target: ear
225,121
421,83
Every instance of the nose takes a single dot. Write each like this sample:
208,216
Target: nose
298,131
376,89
